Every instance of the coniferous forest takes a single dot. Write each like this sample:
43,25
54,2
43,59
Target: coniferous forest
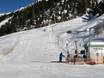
47,12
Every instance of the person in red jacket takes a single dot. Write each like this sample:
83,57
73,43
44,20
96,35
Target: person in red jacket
75,56
68,57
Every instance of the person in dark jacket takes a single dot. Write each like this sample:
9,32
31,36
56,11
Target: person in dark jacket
85,58
61,56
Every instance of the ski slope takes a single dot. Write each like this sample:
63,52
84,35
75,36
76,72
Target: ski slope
28,54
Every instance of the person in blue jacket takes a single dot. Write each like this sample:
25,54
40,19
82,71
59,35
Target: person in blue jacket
61,56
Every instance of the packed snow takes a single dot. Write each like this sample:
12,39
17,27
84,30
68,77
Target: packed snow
29,54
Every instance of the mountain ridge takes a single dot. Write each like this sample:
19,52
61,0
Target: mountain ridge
43,13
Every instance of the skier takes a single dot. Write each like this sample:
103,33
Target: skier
68,57
60,57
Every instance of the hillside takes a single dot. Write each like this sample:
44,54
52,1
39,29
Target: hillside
28,45
32,38
29,54
47,12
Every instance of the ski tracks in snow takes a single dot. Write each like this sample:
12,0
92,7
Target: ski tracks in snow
7,46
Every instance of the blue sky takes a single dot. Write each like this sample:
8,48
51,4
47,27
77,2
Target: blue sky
11,5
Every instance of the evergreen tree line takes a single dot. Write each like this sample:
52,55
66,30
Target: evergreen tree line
48,12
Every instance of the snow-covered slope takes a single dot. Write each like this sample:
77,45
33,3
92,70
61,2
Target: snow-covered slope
22,8
1,14
45,43
5,21
4,14
39,44
28,54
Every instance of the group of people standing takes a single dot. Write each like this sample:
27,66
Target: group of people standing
67,57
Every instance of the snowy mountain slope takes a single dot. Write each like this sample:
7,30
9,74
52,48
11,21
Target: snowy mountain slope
45,12
89,28
34,42
28,54
4,14
5,21
1,14
40,42
32,45
22,8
